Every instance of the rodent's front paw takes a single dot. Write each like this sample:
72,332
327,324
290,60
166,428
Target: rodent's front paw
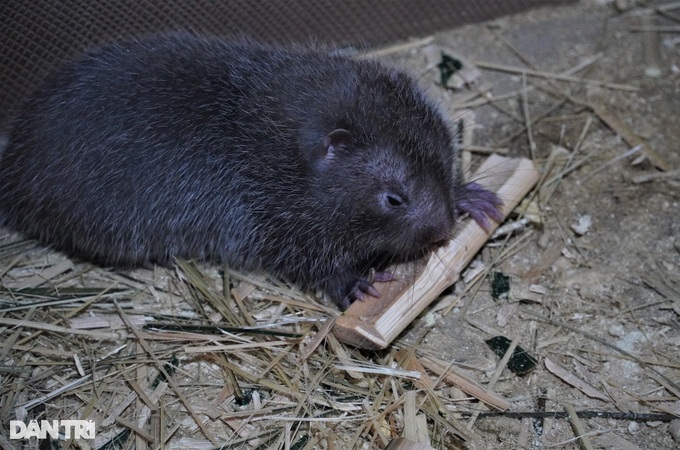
480,203
365,285
359,288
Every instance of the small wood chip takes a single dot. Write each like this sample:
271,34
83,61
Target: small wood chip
575,381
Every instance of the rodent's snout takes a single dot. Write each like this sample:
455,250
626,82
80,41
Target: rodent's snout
438,237
435,233
438,231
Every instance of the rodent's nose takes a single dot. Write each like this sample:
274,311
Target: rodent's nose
440,231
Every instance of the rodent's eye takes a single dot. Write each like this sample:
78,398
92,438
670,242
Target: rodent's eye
392,199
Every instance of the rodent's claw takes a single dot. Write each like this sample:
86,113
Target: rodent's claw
480,204
372,291
383,277
358,295
364,286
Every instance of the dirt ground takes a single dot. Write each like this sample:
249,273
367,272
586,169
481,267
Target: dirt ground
602,304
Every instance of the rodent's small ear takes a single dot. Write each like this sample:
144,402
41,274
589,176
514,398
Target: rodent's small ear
336,140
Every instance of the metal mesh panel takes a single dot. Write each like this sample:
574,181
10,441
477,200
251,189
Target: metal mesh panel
37,35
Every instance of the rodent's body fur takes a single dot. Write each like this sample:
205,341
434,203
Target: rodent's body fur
313,168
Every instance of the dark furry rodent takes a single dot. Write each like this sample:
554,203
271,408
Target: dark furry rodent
313,168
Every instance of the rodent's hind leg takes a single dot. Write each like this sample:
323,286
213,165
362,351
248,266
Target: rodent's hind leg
479,203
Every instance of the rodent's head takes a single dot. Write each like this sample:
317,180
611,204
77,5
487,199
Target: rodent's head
390,186
382,160
393,201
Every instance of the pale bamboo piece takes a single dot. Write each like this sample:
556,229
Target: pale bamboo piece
375,322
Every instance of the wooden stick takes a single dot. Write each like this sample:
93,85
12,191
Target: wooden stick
466,384
628,135
579,428
554,76
374,323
